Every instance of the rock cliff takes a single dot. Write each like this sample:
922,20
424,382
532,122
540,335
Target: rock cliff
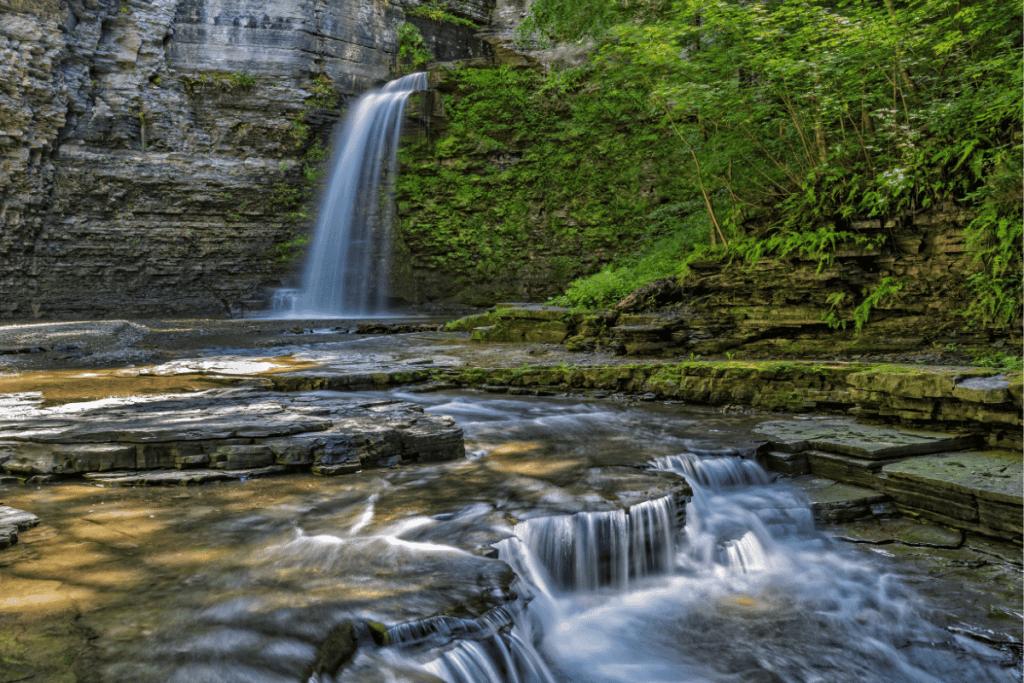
150,149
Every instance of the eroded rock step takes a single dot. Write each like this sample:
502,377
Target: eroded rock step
13,520
836,503
925,475
218,432
980,492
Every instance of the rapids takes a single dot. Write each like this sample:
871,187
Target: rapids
579,541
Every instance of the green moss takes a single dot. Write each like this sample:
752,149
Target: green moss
537,180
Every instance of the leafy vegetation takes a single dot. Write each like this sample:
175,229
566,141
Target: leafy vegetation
566,166
293,197
242,80
795,118
436,11
411,45
682,224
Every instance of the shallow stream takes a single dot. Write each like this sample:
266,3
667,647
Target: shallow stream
617,577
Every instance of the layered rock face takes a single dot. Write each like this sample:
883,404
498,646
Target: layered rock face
236,433
151,150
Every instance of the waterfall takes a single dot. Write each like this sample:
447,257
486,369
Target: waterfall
589,550
716,473
347,269
496,648
725,526
504,658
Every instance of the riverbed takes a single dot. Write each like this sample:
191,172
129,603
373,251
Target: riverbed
580,539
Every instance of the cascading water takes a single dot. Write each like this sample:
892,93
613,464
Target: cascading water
347,269
603,588
756,594
589,550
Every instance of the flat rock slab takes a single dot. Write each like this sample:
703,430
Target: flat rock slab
174,418
180,478
13,520
231,430
843,436
985,475
904,532
846,468
836,503
978,492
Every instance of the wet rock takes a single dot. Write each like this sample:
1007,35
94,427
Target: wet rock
180,478
229,430
336,650
983,389
790,464
13,520
836,503
904,532
847,469
525,323
978,492
239,457
658,293
396,328
838,435
36,458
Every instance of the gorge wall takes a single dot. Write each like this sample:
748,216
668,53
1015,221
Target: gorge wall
151,150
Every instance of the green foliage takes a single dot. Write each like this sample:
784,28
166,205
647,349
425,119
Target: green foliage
411,45
895,110
300,129
683,224
996,238
887,288
243,81
832,316
1000,360
561,20
238,80
324,96
817,245
287,252
435,11
805,115
573,166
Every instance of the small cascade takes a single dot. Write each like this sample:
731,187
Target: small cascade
496,648
715,472
590,550
728,526
347,268
504,658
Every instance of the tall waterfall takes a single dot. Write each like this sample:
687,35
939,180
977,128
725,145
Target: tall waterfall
346,273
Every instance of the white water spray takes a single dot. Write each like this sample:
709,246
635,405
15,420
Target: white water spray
347,269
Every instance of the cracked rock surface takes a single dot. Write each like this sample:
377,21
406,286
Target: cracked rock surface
234,429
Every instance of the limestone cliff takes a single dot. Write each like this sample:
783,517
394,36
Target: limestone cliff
144,144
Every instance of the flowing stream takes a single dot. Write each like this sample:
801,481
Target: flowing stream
347,270
747,591
619,573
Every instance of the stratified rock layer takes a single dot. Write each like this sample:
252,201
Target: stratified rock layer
151,151
227,434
